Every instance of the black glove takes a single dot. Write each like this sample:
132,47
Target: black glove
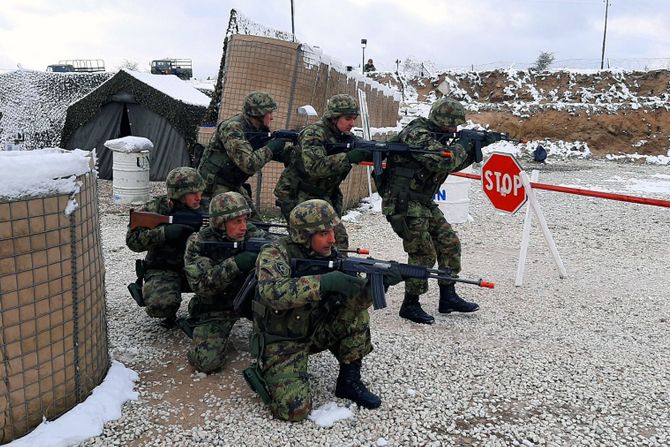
392,277
357,155
490,138
276,145
338,282
246,260
177,232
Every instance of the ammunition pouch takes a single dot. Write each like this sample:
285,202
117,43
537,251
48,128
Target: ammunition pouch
135,288
399,225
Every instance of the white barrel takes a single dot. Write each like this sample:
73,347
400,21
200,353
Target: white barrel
131,176
453,199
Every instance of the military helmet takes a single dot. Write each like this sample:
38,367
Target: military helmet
310,217
339,105
226,206
183,180
447,112
258,104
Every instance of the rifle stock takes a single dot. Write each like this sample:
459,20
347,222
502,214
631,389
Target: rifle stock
147,219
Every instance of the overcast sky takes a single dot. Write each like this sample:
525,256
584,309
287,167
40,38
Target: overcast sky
450,33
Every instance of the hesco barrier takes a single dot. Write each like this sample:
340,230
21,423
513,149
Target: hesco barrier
295,75
53,331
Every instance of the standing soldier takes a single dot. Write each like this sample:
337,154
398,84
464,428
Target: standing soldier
296,315
312,172
163,266
233,155
216,276
407,188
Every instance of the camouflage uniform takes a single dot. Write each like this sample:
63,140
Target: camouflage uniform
164,279
293,318
312,173
232,156
409,183
215,279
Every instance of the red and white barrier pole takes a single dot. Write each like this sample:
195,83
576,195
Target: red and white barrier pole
583,192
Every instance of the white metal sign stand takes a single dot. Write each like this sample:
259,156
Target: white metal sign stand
365,121
535,206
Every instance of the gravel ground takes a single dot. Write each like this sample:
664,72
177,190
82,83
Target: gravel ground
579,361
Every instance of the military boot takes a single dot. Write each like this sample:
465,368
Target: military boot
451,302
349,386
411,310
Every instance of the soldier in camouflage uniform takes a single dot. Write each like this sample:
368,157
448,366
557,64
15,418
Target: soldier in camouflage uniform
164,279
407,188
300,313
216,277
312,173
235,152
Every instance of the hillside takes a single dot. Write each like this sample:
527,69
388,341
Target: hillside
612,112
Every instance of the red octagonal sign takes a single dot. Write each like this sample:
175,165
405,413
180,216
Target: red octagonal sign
501,182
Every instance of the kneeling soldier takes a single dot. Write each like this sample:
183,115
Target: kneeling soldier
216,276
163,267
300,313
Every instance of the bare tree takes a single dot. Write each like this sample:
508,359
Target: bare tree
544,61
129,65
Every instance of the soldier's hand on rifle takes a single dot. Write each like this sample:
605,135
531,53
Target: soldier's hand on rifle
276,145
246,260
339,282
357,155
177,232
467,144
490,138
392,277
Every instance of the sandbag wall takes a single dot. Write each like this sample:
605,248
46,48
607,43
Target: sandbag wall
53,331
294,75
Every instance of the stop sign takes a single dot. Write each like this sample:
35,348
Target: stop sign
501,182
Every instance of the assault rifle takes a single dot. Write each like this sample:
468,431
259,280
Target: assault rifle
379,150
375,269
478,138
260,139
194,219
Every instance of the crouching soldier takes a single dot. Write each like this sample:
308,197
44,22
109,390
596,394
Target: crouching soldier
162,270
298,313
216,273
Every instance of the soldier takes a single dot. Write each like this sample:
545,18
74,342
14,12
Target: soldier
295,316
314,174
234,154
407,188
216,277
163,266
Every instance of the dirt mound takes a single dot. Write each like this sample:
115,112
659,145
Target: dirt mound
613,112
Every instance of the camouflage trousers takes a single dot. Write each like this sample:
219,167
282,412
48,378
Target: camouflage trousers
426,240
341,235
210,335
284,363
218,188
162,292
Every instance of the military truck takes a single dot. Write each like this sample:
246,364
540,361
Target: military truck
78,66
182,68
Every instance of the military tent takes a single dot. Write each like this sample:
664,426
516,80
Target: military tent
162,108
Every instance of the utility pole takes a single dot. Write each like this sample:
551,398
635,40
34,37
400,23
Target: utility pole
602,57
292,22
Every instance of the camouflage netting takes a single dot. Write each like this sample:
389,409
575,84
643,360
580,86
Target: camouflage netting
34,104
183,117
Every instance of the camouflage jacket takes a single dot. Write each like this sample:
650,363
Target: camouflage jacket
160,254
230,159
312,173
215,276
289,304
410,181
